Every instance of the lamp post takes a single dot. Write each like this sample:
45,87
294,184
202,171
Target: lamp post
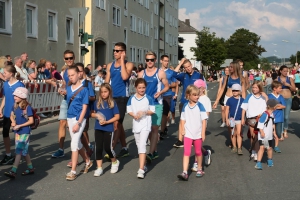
297,51
284,51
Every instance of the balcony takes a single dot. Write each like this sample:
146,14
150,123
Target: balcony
161,44
125,12
162,22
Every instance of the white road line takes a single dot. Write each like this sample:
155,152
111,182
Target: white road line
217,112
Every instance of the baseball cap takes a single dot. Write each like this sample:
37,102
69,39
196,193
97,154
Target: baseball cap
236,87
272,102
200,83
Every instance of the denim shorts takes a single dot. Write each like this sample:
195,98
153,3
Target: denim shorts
63,110
22,144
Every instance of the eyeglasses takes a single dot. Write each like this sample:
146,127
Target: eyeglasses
114,50
150,60
69,58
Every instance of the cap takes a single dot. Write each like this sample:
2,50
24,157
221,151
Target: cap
21,92
200,83
236,87
272,102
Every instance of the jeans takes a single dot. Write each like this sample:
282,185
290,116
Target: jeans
286,112
278,129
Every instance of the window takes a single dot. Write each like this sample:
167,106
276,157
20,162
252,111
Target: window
132,54
116,15
151,45
146,3
167,38
5,16
144,27
141,2
31,20
171,20
151,19
140,25
140,55
101,4
167,16
52,26
133,23
156,7
125,36
69,30
155,32
126,5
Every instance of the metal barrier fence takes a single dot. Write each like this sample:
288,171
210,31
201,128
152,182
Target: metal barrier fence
43,98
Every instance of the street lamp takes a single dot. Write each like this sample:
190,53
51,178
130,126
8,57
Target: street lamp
284,51
297,51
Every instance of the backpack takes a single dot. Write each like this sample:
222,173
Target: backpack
266,122
295,103
36,118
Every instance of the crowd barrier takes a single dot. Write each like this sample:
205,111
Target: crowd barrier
43,98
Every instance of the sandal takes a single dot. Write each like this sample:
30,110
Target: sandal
28,171
10,174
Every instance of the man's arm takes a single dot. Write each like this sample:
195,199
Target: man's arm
126,70
163,78
107,77
179,65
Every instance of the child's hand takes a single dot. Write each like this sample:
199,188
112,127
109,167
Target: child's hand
215,105
227,122
75,128
17,127
203,137
183,133
262,134
102,122
13,124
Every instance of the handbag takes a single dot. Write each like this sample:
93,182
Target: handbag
221,101
232,120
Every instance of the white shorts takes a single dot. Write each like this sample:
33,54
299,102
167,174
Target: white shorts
141,141
226,99
63,110
75,137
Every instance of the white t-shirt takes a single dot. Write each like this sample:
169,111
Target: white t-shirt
193,117
205,101
99,80
23,73
253,105
268,130
135,105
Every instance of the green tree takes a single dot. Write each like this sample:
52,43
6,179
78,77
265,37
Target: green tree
243,44
293,59
210,49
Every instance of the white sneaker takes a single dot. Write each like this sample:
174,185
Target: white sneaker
255,157
172,121
114,167
223,125
145,169
98,172
141,174
195,167
207,158
168,124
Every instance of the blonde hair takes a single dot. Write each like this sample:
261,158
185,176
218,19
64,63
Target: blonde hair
23,104
3,59
190,89
64,68
30,62
151,53
237,70
259,85
186,61
110,100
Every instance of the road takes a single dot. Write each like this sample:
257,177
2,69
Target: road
228,177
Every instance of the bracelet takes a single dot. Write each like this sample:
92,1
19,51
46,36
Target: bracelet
79,124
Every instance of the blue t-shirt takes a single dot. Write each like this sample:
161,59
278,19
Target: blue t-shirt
91,94
153,86
170,78
108,113
278,114
8,91
187,80
232,103
81,98
47,73
120,87
66,77
21,119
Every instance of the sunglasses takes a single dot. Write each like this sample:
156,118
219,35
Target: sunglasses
150,60
235,90
114,50
69,58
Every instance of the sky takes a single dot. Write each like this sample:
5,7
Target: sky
273,20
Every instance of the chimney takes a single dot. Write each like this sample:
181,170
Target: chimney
187,22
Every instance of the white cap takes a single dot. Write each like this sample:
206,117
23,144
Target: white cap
236,87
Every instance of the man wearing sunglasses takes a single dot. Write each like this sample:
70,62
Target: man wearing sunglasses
156,80
186,78
69,58
118,74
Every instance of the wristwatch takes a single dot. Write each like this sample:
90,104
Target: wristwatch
79,124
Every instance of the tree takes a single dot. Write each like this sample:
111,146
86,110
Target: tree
243,44
210,49
293,59
180,50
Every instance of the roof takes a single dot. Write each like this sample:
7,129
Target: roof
185,27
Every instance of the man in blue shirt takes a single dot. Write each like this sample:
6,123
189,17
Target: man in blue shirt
186,78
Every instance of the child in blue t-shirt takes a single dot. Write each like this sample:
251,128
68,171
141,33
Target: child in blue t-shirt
106,112
140,106
233,113
278,112
21,118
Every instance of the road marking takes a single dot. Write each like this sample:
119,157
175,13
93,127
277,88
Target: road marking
294,110
217,112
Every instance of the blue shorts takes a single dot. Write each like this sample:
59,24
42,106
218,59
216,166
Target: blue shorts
173,103
63,110
22,144
156,117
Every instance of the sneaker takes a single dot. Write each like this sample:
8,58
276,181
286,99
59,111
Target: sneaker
258,166
86,168
71,176
270,163
223,125
162,135
58,154
168,124
178,144
148,142
239,151
255,157
123,153
7,160
145,169
149,157
183,176
200,173
277,150
233,150
172,121
195,167
141,174
98,172
114,167
42,115
207,158
10,174
155,155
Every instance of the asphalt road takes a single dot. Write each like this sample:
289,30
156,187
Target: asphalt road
228,177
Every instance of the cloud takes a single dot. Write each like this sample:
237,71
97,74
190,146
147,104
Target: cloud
272,21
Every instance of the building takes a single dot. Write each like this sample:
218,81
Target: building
44,29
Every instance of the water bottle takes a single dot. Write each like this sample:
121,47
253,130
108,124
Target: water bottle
266,143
